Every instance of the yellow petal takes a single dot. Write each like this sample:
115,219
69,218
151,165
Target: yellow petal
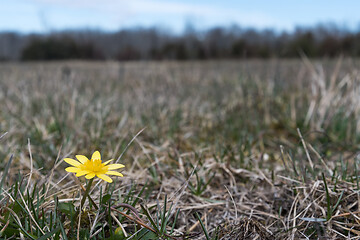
82,158
72,169
115,166
105,163
90,175
82,172
96,155
114,173
72,162
104,177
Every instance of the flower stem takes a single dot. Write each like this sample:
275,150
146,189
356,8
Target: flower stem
88,187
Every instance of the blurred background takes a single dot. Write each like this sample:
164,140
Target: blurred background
177,30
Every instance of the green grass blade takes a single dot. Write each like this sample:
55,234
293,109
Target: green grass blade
203,227
23,230
151,220
175,220
338,202
49,234
5,172
163,217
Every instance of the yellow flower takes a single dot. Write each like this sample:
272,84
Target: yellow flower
93,167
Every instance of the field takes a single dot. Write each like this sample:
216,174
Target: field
212,150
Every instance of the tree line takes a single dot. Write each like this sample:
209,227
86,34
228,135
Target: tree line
158,44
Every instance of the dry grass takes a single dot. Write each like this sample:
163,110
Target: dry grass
259,149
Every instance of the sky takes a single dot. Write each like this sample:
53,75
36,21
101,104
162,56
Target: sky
111,15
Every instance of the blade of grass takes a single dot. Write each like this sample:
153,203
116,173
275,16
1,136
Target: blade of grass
49,234
147,214
5,172
338,202
163,216
175,220
203,227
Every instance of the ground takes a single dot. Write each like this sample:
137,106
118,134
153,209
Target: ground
230,149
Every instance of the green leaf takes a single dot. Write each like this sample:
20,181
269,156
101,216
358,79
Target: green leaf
146,234
84,234
106,198
49,234
10,232
119,234
67,208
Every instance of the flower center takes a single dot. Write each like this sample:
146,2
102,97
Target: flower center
95,166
